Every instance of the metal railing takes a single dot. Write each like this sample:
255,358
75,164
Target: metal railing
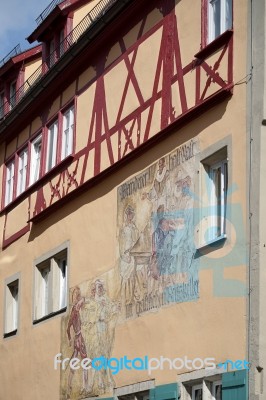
47,11
97,12
14,52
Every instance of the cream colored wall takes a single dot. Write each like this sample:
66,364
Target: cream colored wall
81,12
31,67
210,327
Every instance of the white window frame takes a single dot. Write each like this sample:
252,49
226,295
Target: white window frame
35,166
221,208
214,385
9,182
11,305
194,389
67,133
22,171
213,211
50,288
225,20
51,153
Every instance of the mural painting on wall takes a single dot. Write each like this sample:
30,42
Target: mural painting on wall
155,268
156,234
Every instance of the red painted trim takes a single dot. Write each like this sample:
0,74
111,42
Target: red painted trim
27,55
230,59
127,53
16,236
69,24
44,150
3,187
183,120
75,125
29,165
204,23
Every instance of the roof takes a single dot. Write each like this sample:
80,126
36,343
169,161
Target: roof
55,10
18,58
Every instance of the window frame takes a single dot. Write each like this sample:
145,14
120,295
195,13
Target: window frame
9,282
32,161
214,384
47,301
55,148
25,170
11,95
8,200
194,388
223,198
220,152
2,103
208,29
200,379
70,109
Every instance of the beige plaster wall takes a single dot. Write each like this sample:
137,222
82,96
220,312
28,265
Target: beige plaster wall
210,327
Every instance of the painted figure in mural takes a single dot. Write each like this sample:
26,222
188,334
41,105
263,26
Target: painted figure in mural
77,342
162,259
100,315
129,235
160,190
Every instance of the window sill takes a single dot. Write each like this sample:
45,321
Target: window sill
48,316
216,44
10,334
38,183
212,244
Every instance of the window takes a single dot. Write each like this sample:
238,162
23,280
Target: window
2,101
12,95
52,146
50,285
36,148
67,134
219,17
206,388
11,307
22,171
51,53
217,390
197,393
61,42
213,385
10,174
218,190
214,184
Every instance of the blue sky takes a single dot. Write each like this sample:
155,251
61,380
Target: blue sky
17,21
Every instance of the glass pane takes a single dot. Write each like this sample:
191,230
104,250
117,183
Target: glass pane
218,392
198,394
228,15
214,19
52,146
36,160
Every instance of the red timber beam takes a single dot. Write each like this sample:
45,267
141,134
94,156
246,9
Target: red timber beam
130,134
132,131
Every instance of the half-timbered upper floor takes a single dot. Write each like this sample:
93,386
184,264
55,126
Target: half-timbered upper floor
114,77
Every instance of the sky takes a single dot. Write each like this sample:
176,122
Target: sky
17,21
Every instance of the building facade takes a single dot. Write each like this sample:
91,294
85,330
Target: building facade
125,204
